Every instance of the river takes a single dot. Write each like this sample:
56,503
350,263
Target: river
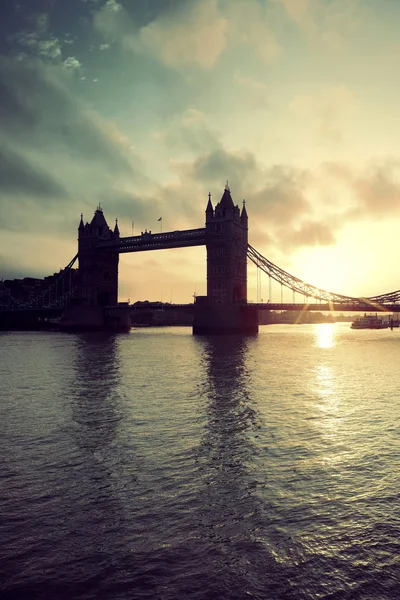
158,465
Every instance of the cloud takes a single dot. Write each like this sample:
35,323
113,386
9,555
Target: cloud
11,269
127,205
330,24
254,92
72,64
38,41
54,149
309,233
379,190
325,110
251,27
289,207
49,49
33,37
36,105
18,176
278,196
196,35
188,131
283,193
114,22
191,34
375,190
215,167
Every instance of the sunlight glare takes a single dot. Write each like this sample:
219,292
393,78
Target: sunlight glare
327,268
325,335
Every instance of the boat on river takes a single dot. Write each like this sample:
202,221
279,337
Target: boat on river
370,322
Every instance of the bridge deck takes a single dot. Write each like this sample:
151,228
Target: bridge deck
159,241
316,307
329,307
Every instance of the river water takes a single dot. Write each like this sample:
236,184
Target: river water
157,465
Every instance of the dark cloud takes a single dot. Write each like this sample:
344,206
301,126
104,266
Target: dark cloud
140,12
19,177
10,269
284,202
132,207
283,195
375,190
220,165
286,208
53,149
190,132
277,197
37,107
379,190
310,233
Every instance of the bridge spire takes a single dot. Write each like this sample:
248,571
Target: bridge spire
243,215
81,225
209,210
226,201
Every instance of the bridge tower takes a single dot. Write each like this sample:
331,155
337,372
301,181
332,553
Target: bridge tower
225,309
98,268
226,243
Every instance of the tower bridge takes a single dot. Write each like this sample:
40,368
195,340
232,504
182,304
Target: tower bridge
90,300
225,237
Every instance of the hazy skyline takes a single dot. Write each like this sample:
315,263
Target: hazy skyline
146,106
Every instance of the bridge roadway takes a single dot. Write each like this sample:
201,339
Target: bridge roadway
318,307
313,307
159,241
328,307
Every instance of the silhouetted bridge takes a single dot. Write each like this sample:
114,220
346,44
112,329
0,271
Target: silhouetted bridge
226,239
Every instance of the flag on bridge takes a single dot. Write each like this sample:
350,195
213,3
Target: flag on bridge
160,219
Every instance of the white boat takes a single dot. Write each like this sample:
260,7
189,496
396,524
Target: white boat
370,322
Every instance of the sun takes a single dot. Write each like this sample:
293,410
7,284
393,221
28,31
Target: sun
326,268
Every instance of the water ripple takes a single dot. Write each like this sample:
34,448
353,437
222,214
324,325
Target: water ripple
158,465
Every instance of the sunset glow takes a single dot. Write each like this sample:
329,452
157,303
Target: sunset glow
148,107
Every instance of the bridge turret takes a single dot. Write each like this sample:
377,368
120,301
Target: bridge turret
243,217
116,229
226,202
98,225
209,210
81,227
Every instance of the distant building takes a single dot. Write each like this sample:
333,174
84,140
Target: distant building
23,290
30,288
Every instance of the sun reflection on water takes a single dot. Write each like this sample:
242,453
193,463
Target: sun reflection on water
324,383
325,335
328,409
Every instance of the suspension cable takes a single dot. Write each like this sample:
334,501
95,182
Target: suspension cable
311,291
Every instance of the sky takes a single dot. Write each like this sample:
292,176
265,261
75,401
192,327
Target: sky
146,106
